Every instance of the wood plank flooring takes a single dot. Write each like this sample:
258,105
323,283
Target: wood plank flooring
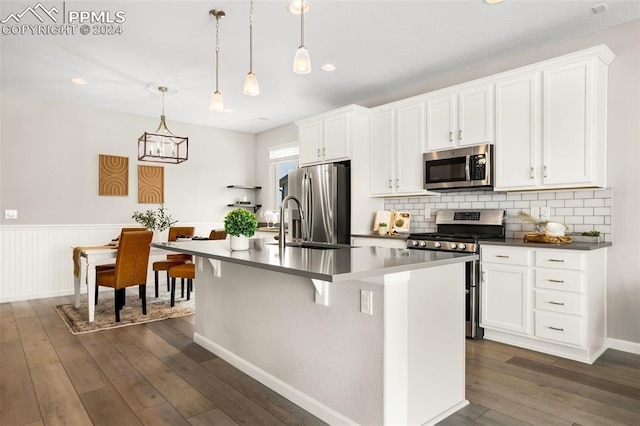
154,374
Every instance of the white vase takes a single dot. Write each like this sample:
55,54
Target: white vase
239,243
382,230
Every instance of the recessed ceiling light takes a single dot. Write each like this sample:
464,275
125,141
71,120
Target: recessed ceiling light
492,1
599,8
328,67
294,6
78,80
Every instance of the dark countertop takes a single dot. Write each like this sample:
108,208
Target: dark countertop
332,265
571,246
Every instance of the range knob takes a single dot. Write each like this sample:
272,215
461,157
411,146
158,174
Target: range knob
462,246
437,244
423,244
414,243
453,246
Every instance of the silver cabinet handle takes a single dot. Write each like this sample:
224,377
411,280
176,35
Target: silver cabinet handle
324,151
556,281
502,256
555,328
532,173
450,136
460,134
319,152
398,183
551,302
556,260
545,171
390,184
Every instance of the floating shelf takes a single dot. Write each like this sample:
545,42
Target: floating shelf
254,207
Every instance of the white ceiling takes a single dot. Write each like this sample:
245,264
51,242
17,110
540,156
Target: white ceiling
381,48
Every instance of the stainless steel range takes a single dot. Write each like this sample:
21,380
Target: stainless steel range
463,231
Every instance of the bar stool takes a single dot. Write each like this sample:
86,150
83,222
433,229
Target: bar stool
172,259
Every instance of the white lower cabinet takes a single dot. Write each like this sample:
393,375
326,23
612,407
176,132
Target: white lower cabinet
549,300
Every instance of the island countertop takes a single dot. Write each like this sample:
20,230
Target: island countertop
331,265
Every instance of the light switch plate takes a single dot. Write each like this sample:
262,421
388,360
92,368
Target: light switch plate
11,214
545,213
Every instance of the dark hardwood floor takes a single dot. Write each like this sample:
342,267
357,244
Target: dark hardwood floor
154,374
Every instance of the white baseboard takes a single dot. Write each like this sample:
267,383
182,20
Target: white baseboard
19,298
294,395
623,345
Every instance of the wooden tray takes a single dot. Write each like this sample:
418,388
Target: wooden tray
533,237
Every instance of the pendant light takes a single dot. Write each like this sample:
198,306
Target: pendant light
216,103
251,87
162,146
302,60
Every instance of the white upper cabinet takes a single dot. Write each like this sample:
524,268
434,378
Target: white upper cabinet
397,144
328,137
460,117
551,123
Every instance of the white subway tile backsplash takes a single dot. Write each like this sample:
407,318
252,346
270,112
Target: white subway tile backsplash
580,210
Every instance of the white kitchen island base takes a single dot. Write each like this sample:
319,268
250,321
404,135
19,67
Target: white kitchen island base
403,365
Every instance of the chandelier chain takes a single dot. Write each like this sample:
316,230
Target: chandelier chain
217,49
302,23
251,37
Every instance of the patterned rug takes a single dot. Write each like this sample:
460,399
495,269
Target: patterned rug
77,320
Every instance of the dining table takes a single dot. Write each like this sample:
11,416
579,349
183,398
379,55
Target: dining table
85,261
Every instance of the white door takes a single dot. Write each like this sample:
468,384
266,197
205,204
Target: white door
381,173
504,297
568,124
336,137
310,135
410,145
440,122
475,115
518,127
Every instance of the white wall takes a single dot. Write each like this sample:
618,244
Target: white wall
49,173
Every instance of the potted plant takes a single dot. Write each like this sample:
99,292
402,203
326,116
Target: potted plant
155,220
382,228
240,224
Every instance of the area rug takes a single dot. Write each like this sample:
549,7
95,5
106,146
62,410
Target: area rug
77,320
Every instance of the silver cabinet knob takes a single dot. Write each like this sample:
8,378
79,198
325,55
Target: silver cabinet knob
437,245
462,246
454,245
423,244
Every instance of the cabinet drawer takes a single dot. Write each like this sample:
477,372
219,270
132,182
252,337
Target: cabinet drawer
557,301
559,328
506,256
557,279
559,259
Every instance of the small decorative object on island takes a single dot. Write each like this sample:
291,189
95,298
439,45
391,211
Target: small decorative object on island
240,224
155,220
382,228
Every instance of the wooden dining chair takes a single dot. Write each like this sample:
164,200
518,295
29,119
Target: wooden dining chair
187,271
131,267
172,259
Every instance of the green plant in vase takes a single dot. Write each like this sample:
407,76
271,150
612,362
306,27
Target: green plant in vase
240,224
154,220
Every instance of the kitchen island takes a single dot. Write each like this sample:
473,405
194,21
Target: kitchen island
354,335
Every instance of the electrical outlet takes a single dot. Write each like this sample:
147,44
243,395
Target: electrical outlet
545,213
11,214
366,302
535,212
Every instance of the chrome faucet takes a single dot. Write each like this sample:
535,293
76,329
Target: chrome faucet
281,233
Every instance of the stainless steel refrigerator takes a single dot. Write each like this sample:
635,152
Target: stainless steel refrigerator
324,193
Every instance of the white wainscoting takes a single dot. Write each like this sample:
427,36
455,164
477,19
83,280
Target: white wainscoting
36,260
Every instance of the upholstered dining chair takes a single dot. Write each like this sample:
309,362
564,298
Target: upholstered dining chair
108,266
172,259
132,263
187,271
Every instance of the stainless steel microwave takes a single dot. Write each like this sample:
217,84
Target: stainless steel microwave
461,168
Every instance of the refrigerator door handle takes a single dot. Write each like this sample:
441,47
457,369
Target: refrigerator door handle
308,203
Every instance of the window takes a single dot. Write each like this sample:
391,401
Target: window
283,158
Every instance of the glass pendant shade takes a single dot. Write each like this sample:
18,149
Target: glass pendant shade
251,87
216,103
302,61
